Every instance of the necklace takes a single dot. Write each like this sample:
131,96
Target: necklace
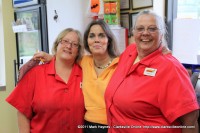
103,67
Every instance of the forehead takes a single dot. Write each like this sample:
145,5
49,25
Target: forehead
96,29
72,36
146,20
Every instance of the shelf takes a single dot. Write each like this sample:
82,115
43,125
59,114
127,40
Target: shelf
22,28
192,67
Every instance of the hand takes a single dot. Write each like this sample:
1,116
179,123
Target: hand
42,56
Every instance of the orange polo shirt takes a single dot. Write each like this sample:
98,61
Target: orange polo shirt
94,88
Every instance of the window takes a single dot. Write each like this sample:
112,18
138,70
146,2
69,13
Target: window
188,9
183,18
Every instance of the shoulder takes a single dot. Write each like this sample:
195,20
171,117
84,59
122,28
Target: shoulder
130,50
171,60
171,63
87,57
77,67
39,69
131,47
85,60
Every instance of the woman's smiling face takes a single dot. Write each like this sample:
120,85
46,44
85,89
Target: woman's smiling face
147,34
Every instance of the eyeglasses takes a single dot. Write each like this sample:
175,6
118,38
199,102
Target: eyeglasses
68,42
150,29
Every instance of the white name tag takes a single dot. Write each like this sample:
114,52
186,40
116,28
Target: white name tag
150,71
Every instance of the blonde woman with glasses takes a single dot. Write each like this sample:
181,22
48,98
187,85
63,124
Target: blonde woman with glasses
49,97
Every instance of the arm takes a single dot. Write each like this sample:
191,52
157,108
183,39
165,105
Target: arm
190,119
23,123
26,67
39,56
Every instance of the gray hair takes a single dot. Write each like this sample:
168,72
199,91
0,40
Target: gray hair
160,24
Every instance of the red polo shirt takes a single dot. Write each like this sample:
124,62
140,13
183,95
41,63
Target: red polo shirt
149,96
52,105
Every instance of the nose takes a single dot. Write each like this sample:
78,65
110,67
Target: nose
69,45
145,31
96,39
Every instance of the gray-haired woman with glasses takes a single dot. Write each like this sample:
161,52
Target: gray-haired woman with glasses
150,92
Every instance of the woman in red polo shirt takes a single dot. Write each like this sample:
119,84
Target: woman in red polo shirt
49,97
97,67
150,92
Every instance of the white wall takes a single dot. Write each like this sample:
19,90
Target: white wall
8,115
75,14
186,40
71,13
2,54
159,7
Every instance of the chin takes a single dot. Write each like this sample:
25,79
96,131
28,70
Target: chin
97,53
66,57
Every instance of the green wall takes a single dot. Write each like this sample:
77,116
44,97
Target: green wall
8,117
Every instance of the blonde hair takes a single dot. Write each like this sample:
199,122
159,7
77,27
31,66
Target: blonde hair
62,34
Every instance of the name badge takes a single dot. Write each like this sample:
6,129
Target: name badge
150,71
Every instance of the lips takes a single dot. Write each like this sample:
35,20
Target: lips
66,51
145,40
97,46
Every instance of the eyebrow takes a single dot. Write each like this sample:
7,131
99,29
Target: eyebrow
97,33
70,40
144,26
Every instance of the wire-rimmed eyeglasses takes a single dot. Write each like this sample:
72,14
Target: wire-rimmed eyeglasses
150,29
68,42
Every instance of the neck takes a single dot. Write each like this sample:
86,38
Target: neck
102,61
141,55
63,68
63,65
144,53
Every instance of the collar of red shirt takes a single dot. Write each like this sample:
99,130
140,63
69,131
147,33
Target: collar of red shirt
51,68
